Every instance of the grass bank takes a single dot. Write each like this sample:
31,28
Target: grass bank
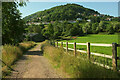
11,53
76,67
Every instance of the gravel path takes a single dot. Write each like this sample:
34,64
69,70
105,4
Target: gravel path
34,65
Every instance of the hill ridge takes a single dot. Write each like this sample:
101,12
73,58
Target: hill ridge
62,12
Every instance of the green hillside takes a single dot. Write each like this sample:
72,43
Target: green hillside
63,12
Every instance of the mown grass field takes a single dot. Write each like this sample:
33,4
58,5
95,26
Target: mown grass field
95,38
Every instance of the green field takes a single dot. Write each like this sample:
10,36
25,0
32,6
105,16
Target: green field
95,38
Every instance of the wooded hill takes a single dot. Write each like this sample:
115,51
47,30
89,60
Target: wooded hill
63,12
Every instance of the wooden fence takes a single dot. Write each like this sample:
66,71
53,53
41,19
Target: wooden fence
113,45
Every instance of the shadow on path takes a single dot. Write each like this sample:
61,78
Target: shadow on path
39,53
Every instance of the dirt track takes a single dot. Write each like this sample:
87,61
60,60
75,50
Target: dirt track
34,65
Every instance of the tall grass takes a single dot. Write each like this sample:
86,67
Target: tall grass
26,45
76,67
11,53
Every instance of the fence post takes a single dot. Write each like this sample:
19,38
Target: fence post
61,44
66,46
114,56
75,48
88,50
57,44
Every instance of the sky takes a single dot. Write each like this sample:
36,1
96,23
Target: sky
109,8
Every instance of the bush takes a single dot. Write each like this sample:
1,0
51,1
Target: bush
76,67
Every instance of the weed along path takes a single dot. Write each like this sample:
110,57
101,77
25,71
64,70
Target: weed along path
34,65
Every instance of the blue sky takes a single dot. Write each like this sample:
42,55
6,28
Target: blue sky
110,8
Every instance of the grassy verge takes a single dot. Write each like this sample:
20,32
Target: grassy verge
11,53
76,67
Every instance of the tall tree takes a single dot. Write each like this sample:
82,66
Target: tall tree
117,27
102,26
12,24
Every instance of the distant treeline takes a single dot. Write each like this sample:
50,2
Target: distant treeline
58,29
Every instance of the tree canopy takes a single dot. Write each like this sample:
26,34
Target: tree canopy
63,12
12,24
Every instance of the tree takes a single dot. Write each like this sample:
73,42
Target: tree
116,27
102,26
49,32
95,28
110,30
45,33
75,30
57,32
87,28
30,29
95,19
36,30
12,24
68,27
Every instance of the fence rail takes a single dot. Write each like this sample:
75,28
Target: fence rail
96,54
89,53
105,45
92,44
